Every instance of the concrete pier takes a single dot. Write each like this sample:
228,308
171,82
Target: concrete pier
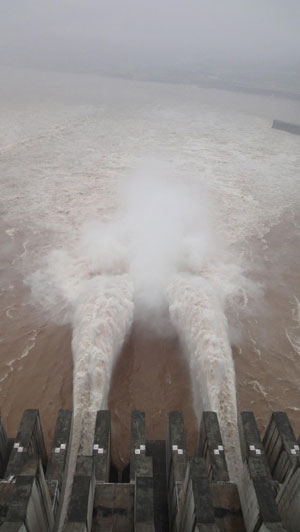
210,446
80,511
166,490
56,468
101,446
258,491
176,457
225,496
143,505
283,453
157,451
138,461
29,442
30,507
196,505
281,446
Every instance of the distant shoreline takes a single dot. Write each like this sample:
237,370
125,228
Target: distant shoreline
172,79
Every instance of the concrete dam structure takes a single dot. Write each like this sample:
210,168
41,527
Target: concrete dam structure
162,489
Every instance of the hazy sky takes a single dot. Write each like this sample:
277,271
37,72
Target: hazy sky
86,33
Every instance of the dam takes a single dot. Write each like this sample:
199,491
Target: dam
162,489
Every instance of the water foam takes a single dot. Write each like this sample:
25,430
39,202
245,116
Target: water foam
103,317
292,332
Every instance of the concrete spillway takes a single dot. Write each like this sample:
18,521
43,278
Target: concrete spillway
162,489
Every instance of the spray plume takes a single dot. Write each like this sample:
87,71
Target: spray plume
158,263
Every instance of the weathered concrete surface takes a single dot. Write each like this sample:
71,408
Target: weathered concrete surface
210,446
113,508
257,489
166,489
288,500
227,507
80,509
144,467
176,458
6,491
196,510
30,501
286,126
101,447
138,442
56,467
251,446
157,451
29,442
13,527
143,505
76,527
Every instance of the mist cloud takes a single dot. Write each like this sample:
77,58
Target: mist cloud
87,33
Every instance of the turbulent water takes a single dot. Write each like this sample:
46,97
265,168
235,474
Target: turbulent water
192,276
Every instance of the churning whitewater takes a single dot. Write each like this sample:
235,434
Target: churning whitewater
197,312
101,321
155,263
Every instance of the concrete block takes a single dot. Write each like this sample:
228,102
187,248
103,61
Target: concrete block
29,442
6,491
59,448
258,501
144,467
257,489
101,447
227,507
113,508
80,509
138,442
210,446
196,506
288,500
58,458
143,505
176,463
176,445
30,502
14,527
157,451
252,448
75,527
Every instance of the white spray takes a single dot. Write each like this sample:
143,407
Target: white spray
158,258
